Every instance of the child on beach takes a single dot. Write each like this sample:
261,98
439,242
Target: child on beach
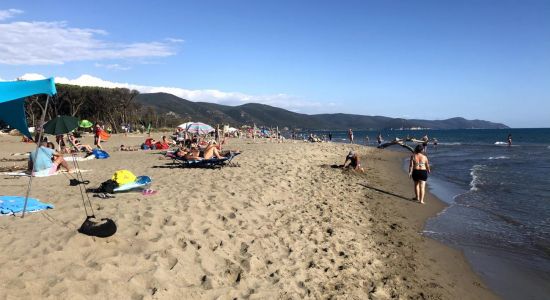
353,162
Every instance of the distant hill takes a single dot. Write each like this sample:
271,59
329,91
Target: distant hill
265,115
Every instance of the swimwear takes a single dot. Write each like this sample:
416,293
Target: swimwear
420,175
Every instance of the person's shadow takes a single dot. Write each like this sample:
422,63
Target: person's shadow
387,193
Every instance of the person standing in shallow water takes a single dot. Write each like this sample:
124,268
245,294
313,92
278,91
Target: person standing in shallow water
379,139
510,139
419,168
350,136
330,136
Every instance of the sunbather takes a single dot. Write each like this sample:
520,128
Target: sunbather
193,154
212,151
127,148
77,145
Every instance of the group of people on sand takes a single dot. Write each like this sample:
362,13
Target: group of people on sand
419,166
196,152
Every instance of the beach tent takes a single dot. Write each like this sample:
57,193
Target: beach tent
12,107
12,100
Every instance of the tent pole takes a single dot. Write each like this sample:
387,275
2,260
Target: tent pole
37,147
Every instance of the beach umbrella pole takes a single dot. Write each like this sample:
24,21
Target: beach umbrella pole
37,147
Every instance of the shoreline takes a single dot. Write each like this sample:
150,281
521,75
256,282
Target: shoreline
283,224
442,259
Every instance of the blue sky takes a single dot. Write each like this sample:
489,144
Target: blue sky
414,59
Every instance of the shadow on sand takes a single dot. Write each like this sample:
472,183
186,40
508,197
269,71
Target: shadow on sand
387,193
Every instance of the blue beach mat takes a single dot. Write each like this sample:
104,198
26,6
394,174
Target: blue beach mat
14,204
141,182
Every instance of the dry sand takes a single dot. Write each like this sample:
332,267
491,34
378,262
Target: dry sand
282,225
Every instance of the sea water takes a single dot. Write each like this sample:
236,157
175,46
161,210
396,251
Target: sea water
499,202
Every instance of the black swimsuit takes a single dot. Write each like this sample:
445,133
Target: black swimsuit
420,175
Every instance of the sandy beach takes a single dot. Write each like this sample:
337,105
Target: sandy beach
283,224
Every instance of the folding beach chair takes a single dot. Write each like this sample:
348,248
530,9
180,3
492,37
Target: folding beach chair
211,163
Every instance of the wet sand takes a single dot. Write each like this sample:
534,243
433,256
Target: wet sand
283,224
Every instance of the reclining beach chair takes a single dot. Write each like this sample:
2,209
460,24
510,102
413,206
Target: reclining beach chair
211,163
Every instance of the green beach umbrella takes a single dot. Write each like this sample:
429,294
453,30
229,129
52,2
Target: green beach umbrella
85,124
61,125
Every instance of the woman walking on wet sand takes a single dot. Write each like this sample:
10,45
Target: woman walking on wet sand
419,167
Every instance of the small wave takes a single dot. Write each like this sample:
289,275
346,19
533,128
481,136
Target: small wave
450,144
501,143
499,157
476,181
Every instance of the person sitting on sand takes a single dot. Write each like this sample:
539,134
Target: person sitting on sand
419,167
76,143
45,158
163,144
212,151
353,162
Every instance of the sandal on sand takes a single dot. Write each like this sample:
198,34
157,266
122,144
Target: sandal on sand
104,195
148,192
100,195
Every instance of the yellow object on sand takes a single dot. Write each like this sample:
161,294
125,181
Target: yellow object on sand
123,177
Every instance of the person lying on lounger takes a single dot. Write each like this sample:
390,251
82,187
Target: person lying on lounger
194,153
212,151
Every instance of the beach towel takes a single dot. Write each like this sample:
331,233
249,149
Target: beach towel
16,174
14,204
78,158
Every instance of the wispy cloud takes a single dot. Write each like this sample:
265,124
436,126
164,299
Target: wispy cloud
116,67
9,13
54,43
285,101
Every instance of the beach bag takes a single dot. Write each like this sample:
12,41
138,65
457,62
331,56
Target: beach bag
108,186
100,228
100,154
123,176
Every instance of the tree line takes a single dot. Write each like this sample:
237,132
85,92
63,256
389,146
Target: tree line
111,107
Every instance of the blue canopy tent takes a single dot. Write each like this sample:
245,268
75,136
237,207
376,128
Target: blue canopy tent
12,107
12,100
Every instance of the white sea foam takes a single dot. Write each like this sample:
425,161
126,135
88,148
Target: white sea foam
499,157
476,181
450,144
501,143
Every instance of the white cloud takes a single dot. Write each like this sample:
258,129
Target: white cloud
285,101
54,43
9,13
117,67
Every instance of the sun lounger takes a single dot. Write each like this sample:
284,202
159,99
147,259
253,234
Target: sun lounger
205,163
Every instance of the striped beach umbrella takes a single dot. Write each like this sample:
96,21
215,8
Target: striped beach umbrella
199,128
